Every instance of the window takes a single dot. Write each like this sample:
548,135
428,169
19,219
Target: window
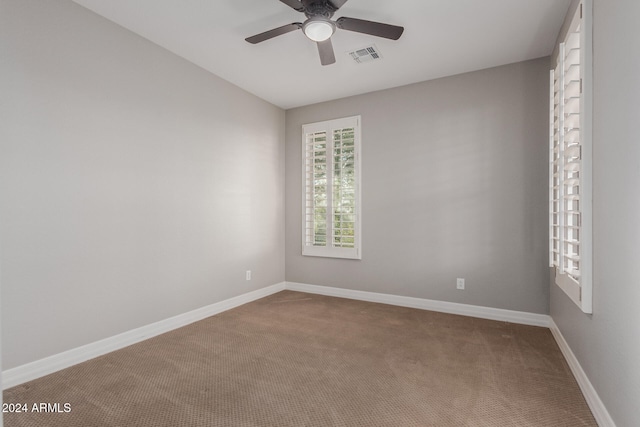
570,161
331,186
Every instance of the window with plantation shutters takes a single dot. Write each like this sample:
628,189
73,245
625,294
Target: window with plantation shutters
570,162
331,182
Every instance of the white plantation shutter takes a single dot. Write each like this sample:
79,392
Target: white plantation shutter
316,186
344,188
570,163
331,175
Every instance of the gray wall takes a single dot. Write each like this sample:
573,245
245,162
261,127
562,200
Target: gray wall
134,186
607,343
454,184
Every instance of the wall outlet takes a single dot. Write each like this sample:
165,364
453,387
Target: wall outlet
459,283
248,275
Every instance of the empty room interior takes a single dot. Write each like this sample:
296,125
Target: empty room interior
216,214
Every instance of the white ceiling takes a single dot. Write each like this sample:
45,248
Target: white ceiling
441,38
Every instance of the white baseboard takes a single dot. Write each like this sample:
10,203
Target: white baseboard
48,365
427,304
598,409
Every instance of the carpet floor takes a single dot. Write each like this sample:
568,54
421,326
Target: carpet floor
296,359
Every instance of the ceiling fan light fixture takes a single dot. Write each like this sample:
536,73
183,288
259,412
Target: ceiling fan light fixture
318,29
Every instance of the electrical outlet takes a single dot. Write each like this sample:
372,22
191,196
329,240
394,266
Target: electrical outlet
459,283
248,275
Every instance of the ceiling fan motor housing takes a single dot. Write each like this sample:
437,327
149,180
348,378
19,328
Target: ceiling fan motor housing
314,8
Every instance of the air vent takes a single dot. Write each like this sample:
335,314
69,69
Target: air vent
366,54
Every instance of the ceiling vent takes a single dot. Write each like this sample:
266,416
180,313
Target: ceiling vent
366,54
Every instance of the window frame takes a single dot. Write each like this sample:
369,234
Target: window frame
577,283
328,250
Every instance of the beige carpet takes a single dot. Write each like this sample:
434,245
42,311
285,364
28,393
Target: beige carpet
295,359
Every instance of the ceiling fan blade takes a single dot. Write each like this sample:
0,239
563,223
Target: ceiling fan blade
273,33
387,31
325,49
337,3
294,4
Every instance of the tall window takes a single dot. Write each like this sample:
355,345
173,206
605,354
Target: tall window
331,187
570,161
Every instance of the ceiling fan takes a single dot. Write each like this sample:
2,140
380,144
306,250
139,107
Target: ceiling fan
319,27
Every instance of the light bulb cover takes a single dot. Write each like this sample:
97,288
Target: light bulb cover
318,29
